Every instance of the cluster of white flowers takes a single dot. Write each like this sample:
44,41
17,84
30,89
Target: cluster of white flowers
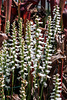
38,42
27,50
56,20
33,52
2,96
7,57
30,53
21,43
14,48
10,56
56,94
22,64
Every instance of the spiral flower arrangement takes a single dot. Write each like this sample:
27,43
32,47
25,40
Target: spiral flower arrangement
56,20
22,63
2,96
6,61
48,48
56,94
46,58
56,28
27,54
14,53
38,52
21,45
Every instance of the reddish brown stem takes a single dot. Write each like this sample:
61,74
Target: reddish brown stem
43,3
62,71
0,13
19,8
8,10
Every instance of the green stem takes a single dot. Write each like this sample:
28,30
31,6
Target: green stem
12,83
41,91
8,95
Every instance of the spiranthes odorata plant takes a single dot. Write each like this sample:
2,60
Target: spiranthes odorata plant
46,58
22,64
38,49
10,61
6,69
56,26
14,54
21,44
27,54
56,20
7,54
2,96
56,94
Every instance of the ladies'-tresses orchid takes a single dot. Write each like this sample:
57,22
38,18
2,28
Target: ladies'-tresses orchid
22,64
46,59
57,88
28,54
56,20
6,59
2,96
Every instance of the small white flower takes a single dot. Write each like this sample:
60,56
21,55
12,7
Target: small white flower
40,42
13,68
41,38
8,80
36,86
48,66
33,73
31,23
39,30
47,71
58,95
35,65
42,75
38,19
40,22
37,34
38,56
45,84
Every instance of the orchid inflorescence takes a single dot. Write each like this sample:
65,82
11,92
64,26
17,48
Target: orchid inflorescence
2,96
56,20
22,62
6,59
56,94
